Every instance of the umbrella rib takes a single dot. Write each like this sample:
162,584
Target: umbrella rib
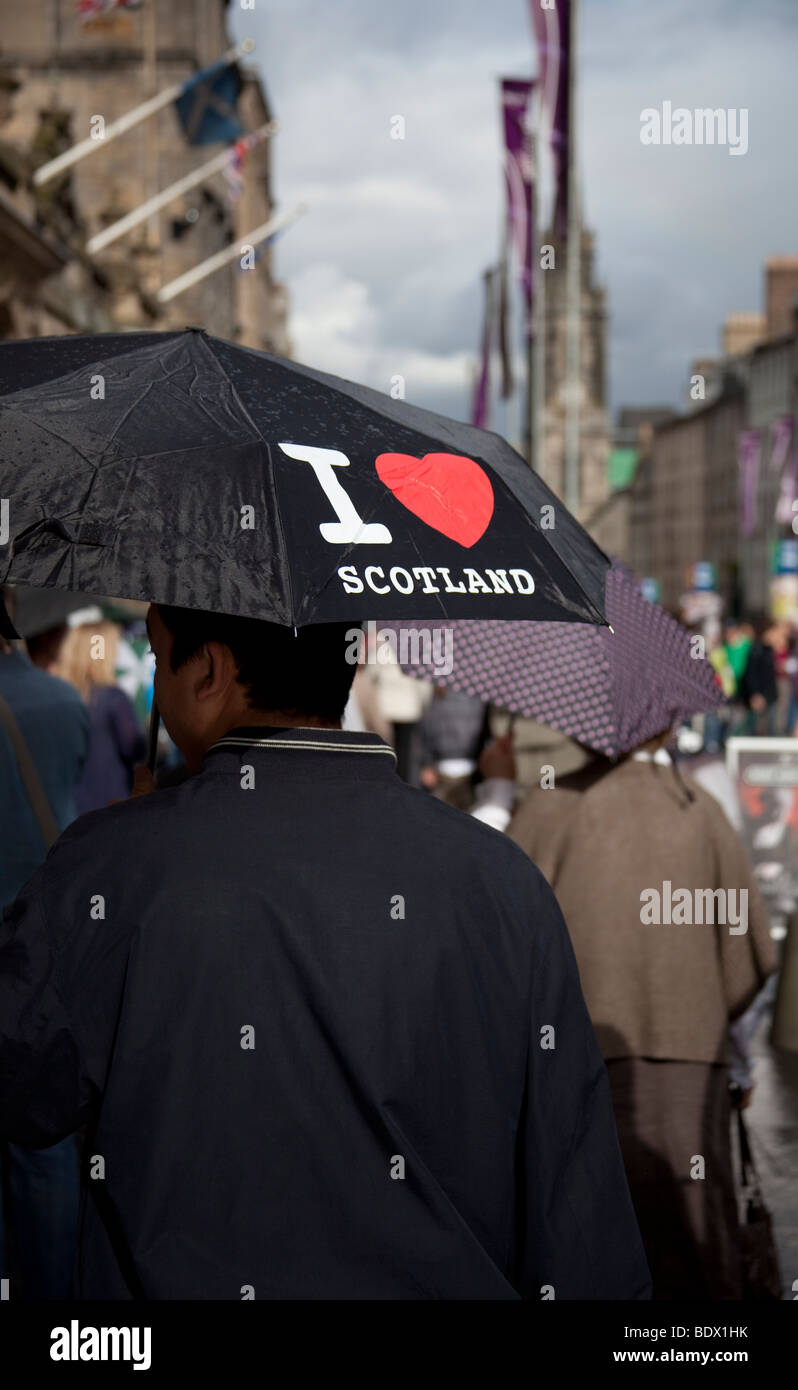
265,443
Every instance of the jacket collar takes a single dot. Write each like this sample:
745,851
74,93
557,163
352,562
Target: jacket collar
300,740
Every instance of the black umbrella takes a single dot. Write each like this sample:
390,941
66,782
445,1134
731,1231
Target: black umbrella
38,610
182,469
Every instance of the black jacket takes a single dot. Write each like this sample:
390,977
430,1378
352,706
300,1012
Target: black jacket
759,676
310,1024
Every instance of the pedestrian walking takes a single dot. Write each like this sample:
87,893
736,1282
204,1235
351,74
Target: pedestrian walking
327,1032
452,734
87,660
672,943
43,744
758,685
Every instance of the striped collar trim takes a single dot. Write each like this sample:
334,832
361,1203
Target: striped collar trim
307,740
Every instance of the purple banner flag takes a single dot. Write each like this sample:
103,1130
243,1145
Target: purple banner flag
749,480
481,401
519,176
782,460
552,25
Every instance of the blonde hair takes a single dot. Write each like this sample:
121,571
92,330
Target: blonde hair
83,661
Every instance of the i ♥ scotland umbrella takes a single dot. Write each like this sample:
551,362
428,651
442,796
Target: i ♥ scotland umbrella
610,690
179,468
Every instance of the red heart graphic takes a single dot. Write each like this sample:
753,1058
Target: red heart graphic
449,492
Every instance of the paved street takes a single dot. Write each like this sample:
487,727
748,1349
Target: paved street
773,1124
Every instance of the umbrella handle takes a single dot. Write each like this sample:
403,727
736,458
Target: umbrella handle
152,737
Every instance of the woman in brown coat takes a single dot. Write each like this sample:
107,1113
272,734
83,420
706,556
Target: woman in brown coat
672,943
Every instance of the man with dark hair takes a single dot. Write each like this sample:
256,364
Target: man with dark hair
327,1032
293,675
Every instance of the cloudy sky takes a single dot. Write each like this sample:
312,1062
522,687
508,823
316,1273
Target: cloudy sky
385,269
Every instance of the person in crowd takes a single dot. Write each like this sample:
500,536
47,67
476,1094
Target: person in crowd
117,742
401,701
328,1033
758,687
43,744
663,978
778,639
363,711
44,647
791,672
452,733
739,638
716,722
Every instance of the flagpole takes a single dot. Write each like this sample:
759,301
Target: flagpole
514,420
539,309
538,354
131,118
151,78
532,355
205,171
573,274
222,258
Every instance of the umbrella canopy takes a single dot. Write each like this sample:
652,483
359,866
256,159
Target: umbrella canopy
610,690
38,610
182,469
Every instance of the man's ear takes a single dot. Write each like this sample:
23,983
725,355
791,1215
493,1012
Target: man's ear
217,670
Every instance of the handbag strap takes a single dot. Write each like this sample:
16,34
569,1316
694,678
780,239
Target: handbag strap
31,780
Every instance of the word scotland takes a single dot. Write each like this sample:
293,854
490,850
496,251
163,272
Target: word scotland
426,580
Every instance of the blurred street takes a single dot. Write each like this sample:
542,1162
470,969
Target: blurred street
773,1124
398,650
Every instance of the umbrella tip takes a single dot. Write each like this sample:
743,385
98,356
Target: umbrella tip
611,628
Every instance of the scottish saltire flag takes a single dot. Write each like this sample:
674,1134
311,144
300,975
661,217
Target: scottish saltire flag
206,107
552,28
90,9
519,176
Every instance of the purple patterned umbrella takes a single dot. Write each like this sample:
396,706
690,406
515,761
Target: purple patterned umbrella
611,690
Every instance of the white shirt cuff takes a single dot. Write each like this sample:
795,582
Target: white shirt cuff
495,798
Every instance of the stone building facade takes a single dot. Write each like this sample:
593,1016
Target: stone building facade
724,421
692,496
684,503
56,75
621,524
677,503
772,383
594,437
781,293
